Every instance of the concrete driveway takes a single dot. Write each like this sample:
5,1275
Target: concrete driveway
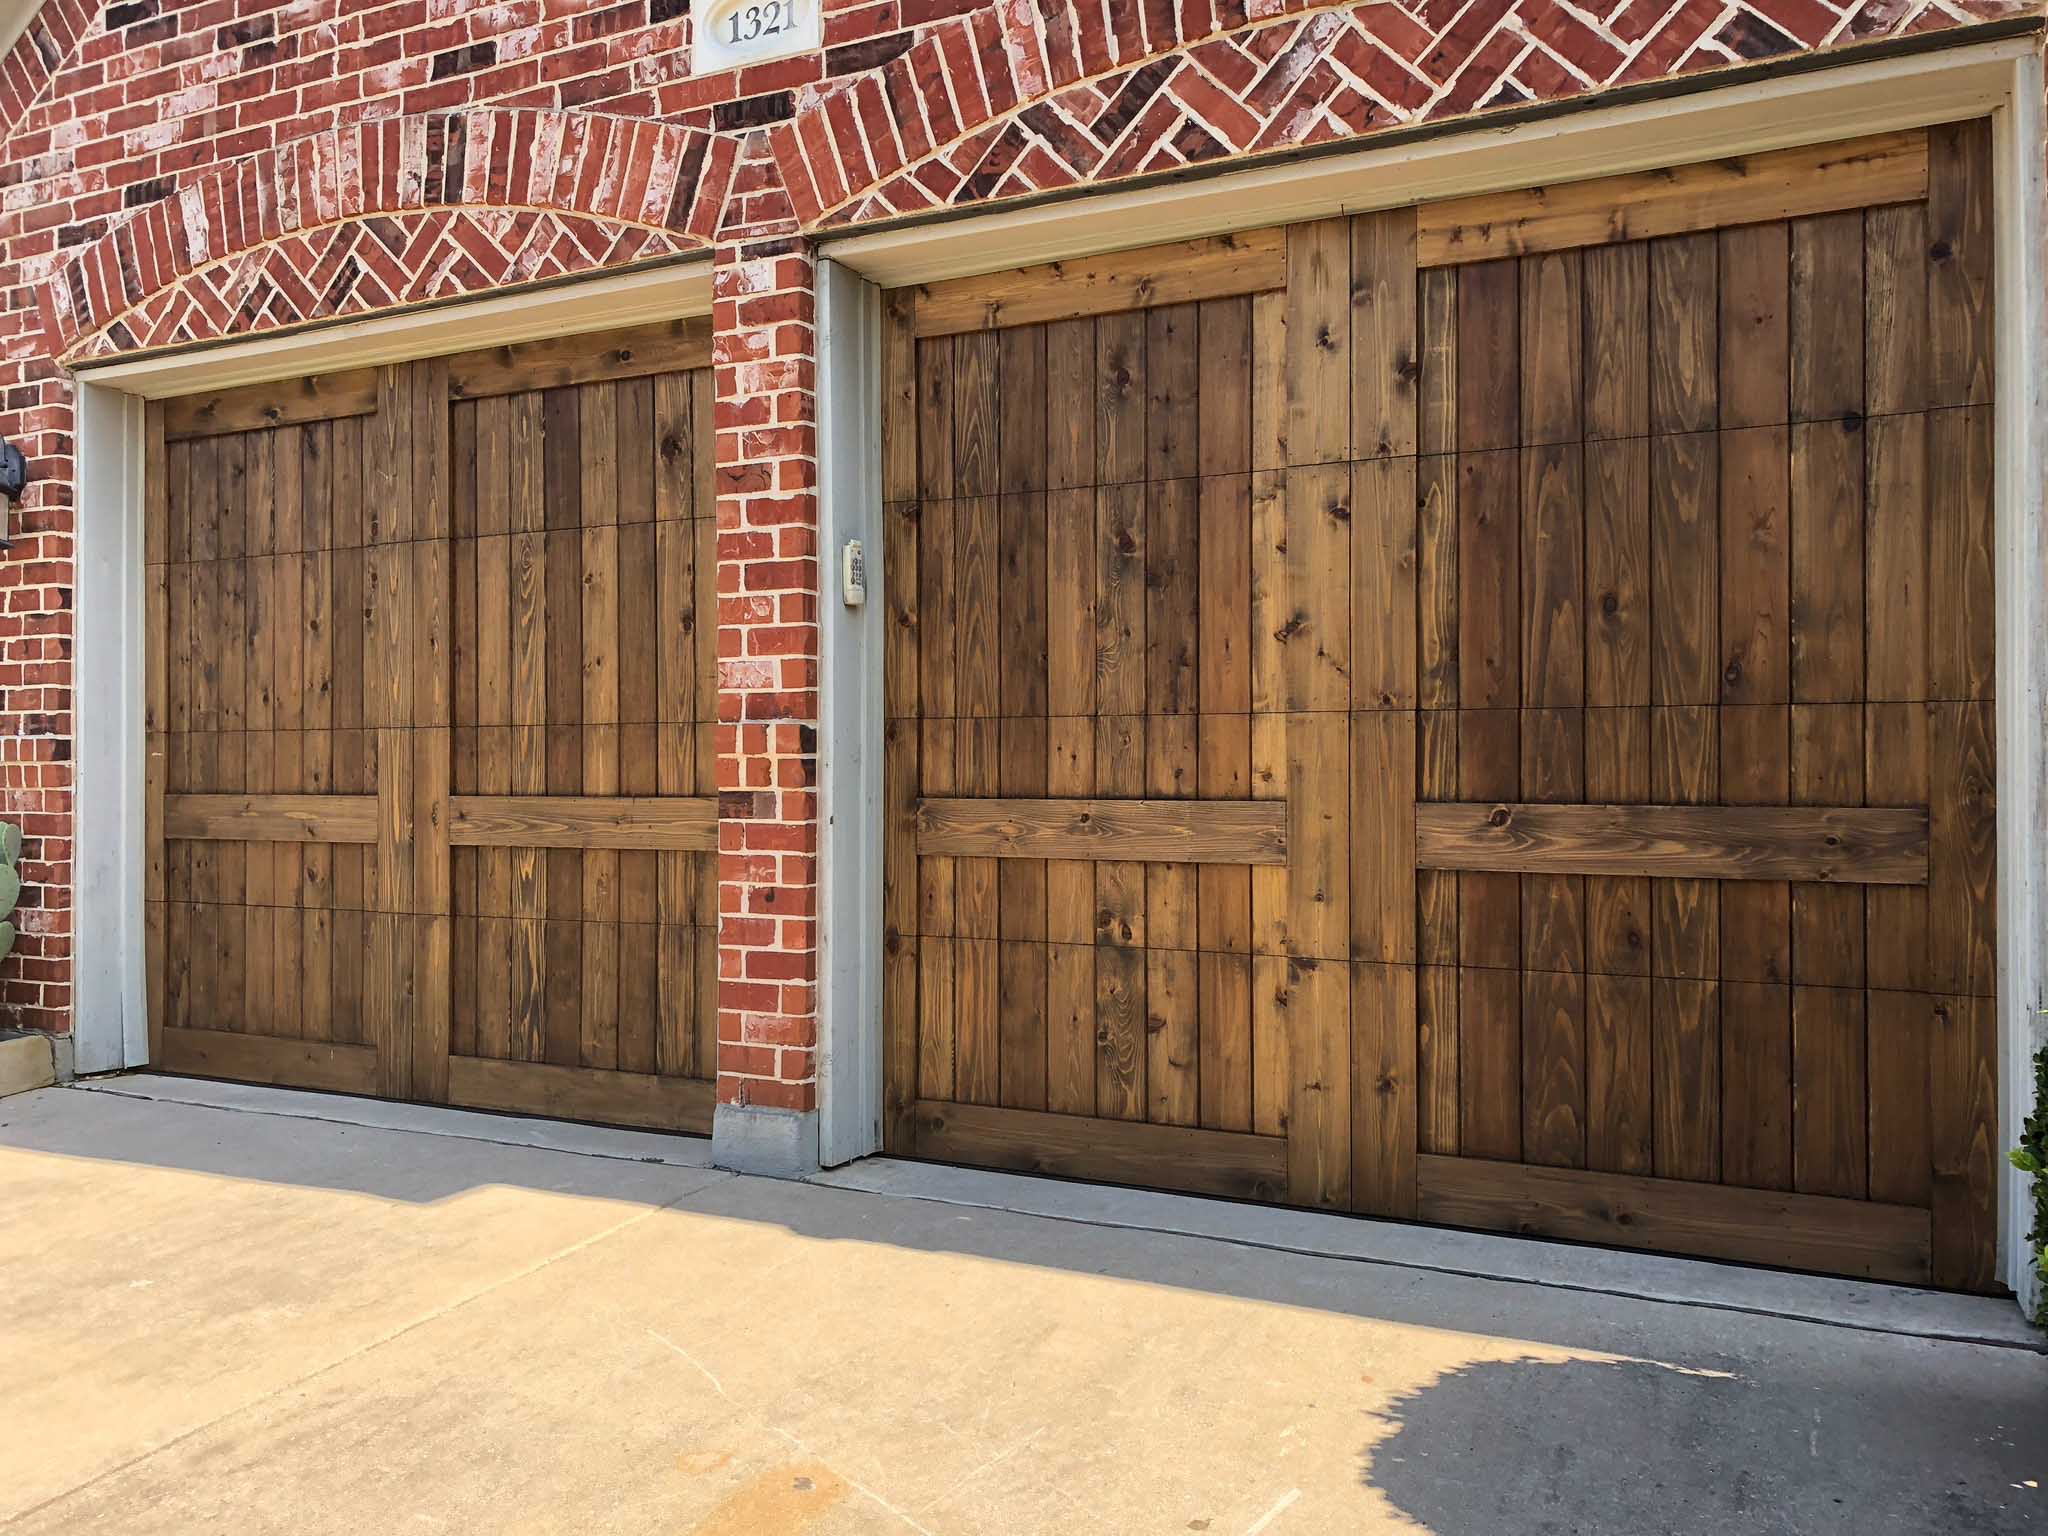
236,1319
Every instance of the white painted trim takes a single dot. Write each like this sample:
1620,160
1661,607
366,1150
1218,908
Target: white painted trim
2021,570
566,309
109,1003
1813,107
2002,79
851,643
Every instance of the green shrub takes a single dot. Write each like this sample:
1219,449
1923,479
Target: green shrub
2031,1156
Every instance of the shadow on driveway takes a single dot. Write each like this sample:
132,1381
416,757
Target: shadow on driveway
1634,1448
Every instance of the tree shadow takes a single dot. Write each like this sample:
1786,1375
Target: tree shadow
1634,1448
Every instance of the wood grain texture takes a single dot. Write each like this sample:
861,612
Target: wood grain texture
321,397
1856,845
582,1093
272,818
558,361
336,1068
1794,1231
679,823
1247,1167
1225,265
1179,831
1660,532
1747,189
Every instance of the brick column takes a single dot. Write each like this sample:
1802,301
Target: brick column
764,314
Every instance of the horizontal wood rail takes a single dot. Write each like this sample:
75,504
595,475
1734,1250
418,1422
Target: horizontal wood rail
1852,845
1113,1151
282,403
1165,831
556,361
676,823
1215,268
322,1064
582,1093
1746,189
1754,1226
272,818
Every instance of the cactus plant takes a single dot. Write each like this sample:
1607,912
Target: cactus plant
10,884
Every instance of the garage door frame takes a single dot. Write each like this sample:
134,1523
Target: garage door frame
110,1016
2003,80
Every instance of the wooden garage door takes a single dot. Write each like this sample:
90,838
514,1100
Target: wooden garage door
1478,712
430,788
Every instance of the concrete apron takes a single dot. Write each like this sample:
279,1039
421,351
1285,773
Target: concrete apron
268,1311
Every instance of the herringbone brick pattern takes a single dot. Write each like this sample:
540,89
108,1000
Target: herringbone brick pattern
1032,95
383,215
377,263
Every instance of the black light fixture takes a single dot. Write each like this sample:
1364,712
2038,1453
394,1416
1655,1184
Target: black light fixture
13,481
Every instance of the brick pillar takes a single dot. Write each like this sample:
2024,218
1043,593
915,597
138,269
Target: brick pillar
764,314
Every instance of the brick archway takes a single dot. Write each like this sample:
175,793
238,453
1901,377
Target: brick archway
1021,96
386,214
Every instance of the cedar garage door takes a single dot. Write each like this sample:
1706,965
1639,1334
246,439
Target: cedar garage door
1479,712
431,794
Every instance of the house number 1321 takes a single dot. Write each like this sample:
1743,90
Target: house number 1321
735,33
755,23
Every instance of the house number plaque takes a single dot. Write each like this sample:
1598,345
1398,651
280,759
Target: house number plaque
735,32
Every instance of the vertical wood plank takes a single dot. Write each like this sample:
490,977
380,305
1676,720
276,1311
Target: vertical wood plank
1754,324
1895,308
1489,598
1903,1031
1959,243
1488,367
1301,603
1684,335
1827,521
1685,1051
1830,1129
1757,1077
1618,1074
1436,410
1438,1095
1964,1142
1827,287
1617,345
1961,894
1315,999
1383,1089
1318,346
1382,828
1960,595
1552,366
1383,584
1384,359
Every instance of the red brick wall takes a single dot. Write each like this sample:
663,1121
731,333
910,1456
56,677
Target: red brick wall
175,171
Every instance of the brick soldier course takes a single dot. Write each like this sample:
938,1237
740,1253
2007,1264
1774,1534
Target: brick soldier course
180,173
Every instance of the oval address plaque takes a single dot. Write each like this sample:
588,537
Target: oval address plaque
735,32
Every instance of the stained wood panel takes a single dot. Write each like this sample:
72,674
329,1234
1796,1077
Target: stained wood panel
1499,707
431,700
581,799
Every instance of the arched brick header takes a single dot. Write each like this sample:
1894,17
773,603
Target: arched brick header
1020,96
389,213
